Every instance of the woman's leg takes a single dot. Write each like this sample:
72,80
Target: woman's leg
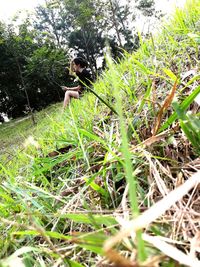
68,95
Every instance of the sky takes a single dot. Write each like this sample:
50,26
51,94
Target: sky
8,8
169,5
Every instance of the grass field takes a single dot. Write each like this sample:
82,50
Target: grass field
90,187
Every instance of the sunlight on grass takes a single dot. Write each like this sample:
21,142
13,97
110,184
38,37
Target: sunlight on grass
77,187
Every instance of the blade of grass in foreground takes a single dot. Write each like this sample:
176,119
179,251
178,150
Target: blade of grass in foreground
130,177
16,259
79,137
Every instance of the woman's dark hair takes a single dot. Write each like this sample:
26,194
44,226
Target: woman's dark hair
79,60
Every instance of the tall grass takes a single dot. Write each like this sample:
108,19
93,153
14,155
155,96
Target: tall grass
59,208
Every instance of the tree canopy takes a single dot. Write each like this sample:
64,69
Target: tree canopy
33,55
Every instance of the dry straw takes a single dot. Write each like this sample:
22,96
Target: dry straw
148,217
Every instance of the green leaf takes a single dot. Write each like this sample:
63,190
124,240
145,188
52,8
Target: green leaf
141,66
6,196
84,218
184,105
92,136
189,124
170,74
95,186
94,248
75,264
47,233
92,241
188,132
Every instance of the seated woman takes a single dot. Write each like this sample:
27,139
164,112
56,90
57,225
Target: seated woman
79,66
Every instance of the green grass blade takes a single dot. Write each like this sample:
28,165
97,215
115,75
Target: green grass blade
184,105
170,74
84,218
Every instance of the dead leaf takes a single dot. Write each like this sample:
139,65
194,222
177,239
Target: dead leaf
118,260
149,216
59,151
164,107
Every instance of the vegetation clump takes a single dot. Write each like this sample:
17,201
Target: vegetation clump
98,188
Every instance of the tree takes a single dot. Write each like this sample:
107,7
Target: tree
147,7
32,59
51,24
10,93
45,71
87,23
20,47
121,17
28,71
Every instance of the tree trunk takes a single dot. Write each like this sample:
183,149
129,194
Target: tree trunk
26,93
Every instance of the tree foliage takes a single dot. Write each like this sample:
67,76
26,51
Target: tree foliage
34,55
